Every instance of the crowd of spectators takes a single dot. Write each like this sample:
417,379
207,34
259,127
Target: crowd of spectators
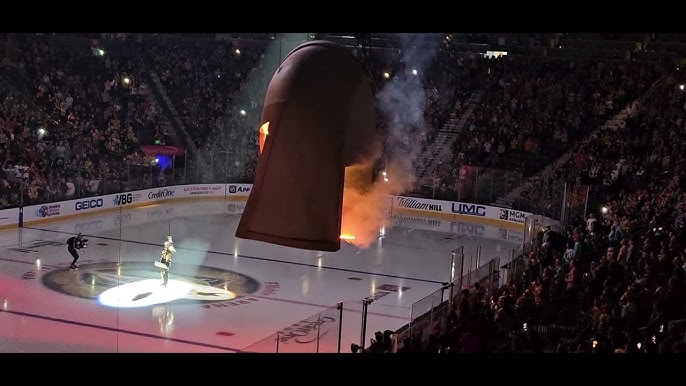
443,81
74,121
616,280
217,87
533,111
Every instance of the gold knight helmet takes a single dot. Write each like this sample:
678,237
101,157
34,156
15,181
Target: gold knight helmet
168,249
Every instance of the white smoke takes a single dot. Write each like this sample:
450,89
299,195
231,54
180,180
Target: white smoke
402,101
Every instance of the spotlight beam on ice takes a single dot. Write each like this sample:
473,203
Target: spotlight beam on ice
150,292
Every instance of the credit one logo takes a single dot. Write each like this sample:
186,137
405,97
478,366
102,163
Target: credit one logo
89,204
162,193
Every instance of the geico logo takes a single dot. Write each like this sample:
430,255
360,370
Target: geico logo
466,229
88,204
86,226
162,193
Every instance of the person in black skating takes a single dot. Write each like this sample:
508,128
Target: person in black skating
74,244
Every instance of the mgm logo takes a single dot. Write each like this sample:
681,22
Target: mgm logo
139,283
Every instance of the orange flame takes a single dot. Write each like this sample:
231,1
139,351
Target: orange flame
264,132
347,237
365,203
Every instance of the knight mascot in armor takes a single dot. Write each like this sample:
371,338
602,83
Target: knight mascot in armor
165,260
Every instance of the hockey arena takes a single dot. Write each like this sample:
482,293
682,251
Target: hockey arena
224,294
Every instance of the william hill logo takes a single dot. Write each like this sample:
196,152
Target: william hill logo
417,222
411,203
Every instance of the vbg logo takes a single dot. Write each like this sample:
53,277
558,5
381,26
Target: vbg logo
122,199
122,219
88,204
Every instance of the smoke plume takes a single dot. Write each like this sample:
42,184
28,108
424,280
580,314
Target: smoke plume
401,102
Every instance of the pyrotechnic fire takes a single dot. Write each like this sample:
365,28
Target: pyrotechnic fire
365,203
264,132
347,237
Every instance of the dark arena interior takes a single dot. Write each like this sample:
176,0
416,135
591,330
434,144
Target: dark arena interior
570,146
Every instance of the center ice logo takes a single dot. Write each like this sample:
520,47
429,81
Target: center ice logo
200,284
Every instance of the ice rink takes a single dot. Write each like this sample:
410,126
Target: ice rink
225,294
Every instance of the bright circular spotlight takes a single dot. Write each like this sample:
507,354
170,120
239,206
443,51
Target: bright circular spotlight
149,292
41,131
682,87
386,75
414,71
237,51
242,112
101,52
127,80
605,209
